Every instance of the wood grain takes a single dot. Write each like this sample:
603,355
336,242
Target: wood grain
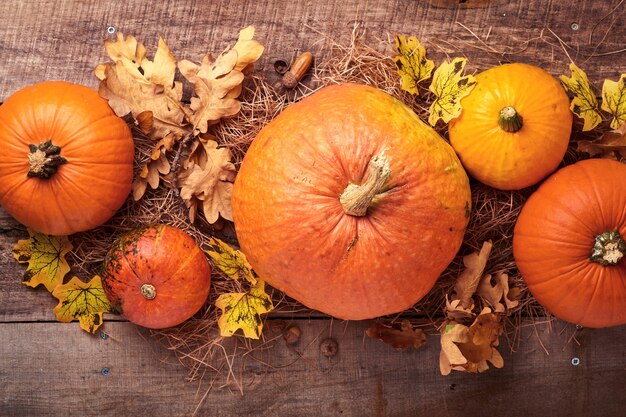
56,369
41,40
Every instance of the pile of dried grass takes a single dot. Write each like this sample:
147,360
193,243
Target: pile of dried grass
197,342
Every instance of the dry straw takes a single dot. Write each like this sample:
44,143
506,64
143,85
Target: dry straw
197,343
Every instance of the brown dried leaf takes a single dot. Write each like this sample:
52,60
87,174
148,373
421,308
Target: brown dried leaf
468,280
469,348
494,294
456,312
217,83
611,145
403,338
207,180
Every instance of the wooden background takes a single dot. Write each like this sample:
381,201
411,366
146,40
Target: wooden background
53,369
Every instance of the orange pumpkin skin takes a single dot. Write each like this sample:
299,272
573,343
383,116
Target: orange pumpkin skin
510,160
156,276
291,223
97,146
554,238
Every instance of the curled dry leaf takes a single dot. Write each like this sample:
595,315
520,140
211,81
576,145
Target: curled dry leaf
217,83
403,338
611,145
468,280
468,349
207,181
496,293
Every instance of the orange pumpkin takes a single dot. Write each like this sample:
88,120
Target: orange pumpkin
157,276
350,204
569,245
514,128
67,159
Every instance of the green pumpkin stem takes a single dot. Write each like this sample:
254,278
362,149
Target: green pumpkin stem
608,249
356,199
44,160
510,120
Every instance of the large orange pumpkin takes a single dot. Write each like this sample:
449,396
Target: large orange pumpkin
514,128
157,276
350,204
569,245
67,159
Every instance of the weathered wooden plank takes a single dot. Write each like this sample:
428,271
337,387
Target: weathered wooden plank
56,369
64,38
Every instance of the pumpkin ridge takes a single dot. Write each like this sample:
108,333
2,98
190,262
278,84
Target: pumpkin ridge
68,181
182,265
76,135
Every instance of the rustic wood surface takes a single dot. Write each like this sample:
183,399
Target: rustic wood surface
53,369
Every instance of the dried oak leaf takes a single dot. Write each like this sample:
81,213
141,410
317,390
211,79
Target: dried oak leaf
412,64
449,87
467,282
611,145
82,301
584,104
614,100
230,261
403,338
496,293
207,181
469,348
243,311
217,84
45,256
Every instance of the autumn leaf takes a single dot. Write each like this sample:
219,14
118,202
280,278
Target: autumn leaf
207,181
413,67
403,338
467,282
45,256
449,87
614,100
217,84
243,311
496,293
230,261
469,348
82,301
611,145
584,104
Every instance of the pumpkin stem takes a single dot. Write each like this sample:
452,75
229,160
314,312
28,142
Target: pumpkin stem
44,160
510,120
356,199
148,291
608,249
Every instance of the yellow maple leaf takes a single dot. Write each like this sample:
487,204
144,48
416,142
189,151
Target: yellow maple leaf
412,64
449,87
45,256
230,261
207,181
614,100
217,84
584,104
84,301
243,311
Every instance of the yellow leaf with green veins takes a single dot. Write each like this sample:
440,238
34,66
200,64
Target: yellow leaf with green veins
82,301
614,100
449,86
412,64
230,261
243,311
584,104
45,256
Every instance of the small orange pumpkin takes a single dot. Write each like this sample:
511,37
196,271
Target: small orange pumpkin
157,276
569,245
67,159
350,204
514,128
